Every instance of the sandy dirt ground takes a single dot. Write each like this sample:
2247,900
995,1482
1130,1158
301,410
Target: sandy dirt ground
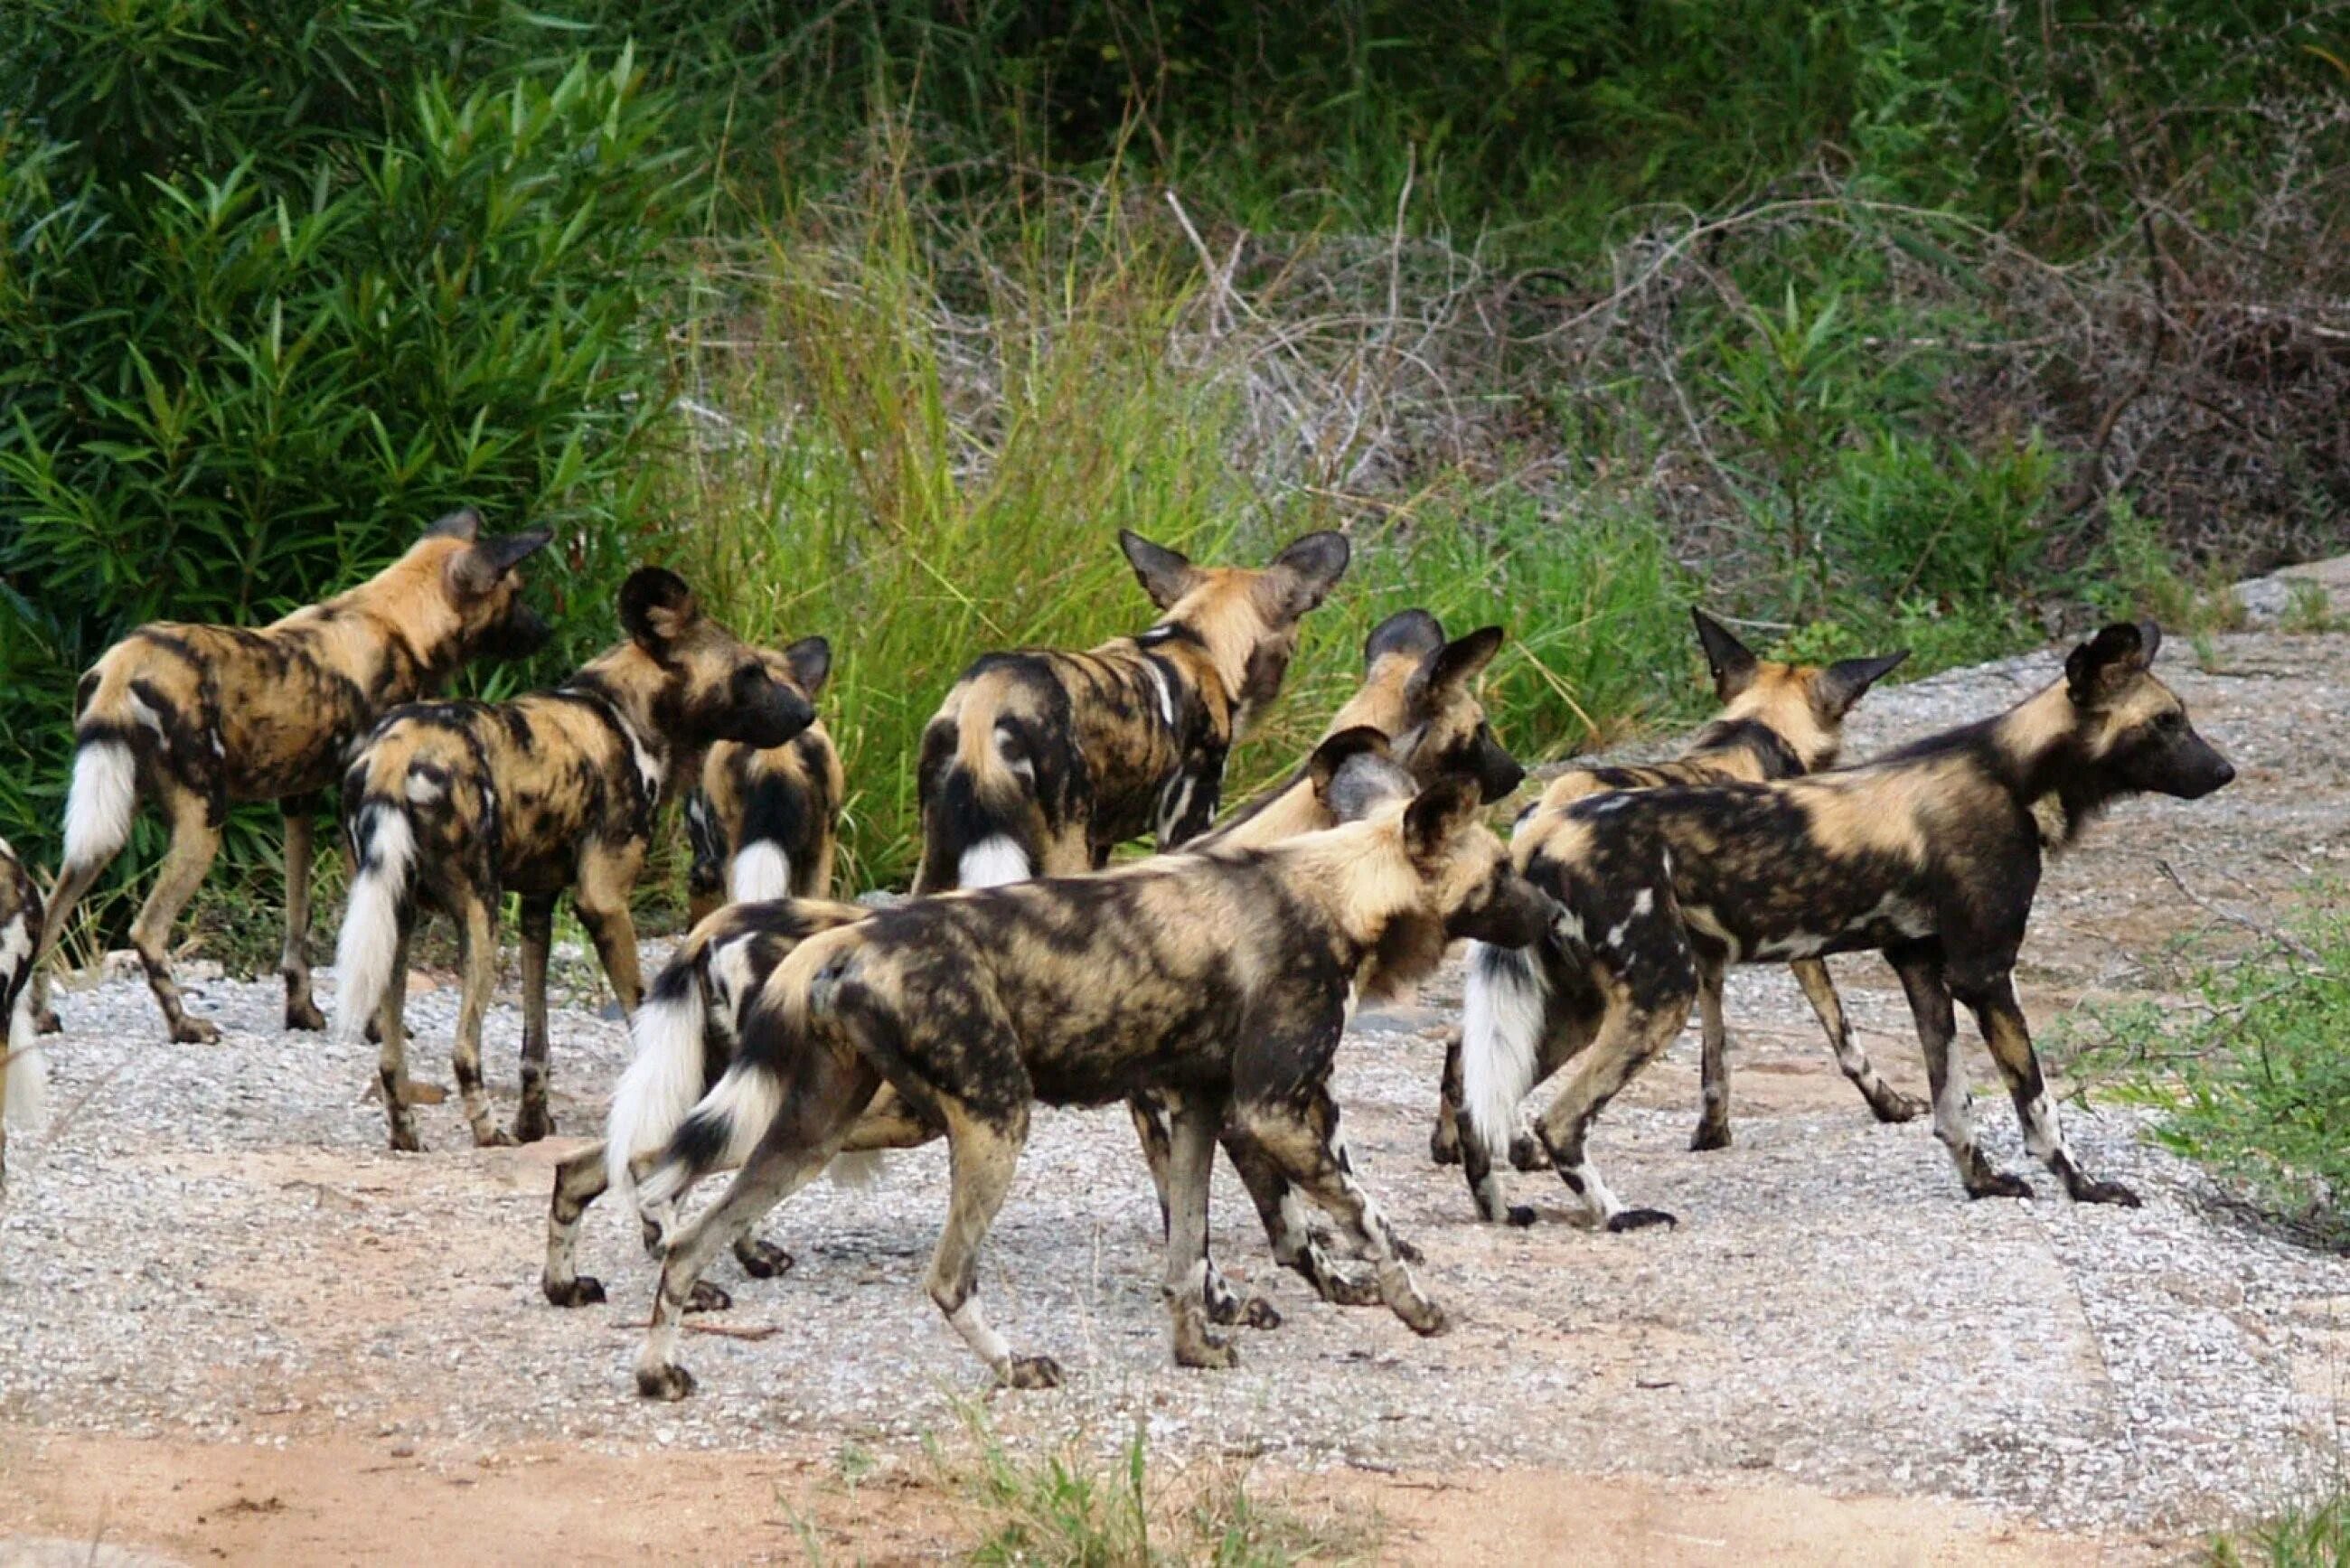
234,1327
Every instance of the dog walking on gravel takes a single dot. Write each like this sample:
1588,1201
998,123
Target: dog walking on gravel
195,718
450,805
1223,977
1778,721
1930,855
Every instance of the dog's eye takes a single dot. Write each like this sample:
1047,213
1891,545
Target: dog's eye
2171,721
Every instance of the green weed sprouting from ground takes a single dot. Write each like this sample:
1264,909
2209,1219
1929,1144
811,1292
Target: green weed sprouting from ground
2252,1080
2315,1535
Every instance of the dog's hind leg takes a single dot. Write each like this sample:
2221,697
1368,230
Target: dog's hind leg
1634,1030
195,839
1714,1032
981,1155
2004,1031
1295,1247
391,1041
532,1121
293,963
578,1181
1920,968
475,915
601,900
1444,1140
1884,1102
1151,1114
1195,1121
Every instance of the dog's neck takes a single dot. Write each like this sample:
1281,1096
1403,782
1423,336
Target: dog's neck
1750,750
630,684
1373,896
387,636
2039,756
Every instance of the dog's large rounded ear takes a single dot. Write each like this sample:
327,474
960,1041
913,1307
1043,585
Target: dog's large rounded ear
2118,654
474,573
1437,814
657,608
810,662
1847,681
463,524
1308,569
1166,574
1457,663
1729,661
1407,634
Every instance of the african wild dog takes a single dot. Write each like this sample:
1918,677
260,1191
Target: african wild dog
763,822
450,804
23,1081
1930,855
194,718
1778,721
1223,977
1039,762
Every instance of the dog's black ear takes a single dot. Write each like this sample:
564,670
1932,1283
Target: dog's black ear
1308,569
474,573
1457,663
1437,814
1166,574
657,608
1847,681
810,662
2116,654
1730,661
1412,633
463,524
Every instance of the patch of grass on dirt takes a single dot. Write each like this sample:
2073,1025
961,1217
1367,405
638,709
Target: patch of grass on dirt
2314,1535
1070,1506
2251,1079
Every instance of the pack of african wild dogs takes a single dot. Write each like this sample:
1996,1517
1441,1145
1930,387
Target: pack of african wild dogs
1208,985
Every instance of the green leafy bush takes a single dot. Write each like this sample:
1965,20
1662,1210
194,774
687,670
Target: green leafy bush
280,283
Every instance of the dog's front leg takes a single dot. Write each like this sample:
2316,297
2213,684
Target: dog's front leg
532,1121
578,1181
294,963
2000,1017
1193,1123
1920,967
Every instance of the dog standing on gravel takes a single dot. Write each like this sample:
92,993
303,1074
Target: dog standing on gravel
23,1081
1223,978
1778,721
452,804
194,718
1040,762
763,823
1930,855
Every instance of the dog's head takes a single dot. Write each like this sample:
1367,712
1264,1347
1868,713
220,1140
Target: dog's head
2128,726
713,686
1246,620
479,584
1444,731
1802,704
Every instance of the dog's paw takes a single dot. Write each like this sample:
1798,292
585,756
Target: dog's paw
190,1031
404,1139
1032,1371
1893,1107
580,1289
1998,1184
1522,1214
1709,1136
707,1297
1638,1219
46,1022
533,1123
668,1383
763,1259
1259,1312
2105,1192
305,1015
1527,1153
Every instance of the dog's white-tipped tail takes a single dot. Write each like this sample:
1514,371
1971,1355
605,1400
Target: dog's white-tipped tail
100,803
760,873
1501,1034
860,1168
665,1075
370,934
991,862
718,1134
26,1088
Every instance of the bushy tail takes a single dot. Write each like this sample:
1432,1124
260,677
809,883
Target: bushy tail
669,1069
26,1088
979,806
722,1129
761,871
101,800
385,843
1502,1010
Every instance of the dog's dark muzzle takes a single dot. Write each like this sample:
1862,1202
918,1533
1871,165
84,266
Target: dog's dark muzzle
520,633
2193,767
772,722
1498,773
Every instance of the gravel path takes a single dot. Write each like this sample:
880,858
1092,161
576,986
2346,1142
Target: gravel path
214,1244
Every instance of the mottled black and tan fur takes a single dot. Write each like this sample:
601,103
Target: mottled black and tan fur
1778,721
191,719
1040,762
764,823
1930,855
450,805
24,1079
1222,977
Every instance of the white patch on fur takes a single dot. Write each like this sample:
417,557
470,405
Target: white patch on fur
26,1089
663,1080
99,804
1024,767
969,1323
991,862
146,715
858,1168
1502,1012
1166,697
744,1102
1645,901
762,871
732,981
370,933
1174,800
421,790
